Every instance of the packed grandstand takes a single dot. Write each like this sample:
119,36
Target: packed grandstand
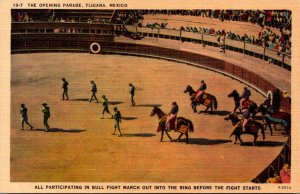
274,33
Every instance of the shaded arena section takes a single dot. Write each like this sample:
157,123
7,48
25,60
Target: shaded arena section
82,149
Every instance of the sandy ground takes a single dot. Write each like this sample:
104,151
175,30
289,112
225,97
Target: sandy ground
81,147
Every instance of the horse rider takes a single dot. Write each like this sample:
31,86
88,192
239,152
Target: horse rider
246,117
24,116
245,96
172,114
201,90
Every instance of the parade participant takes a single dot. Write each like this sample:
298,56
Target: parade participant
132,92
201,90
246,117
94,91
117,118
46,114
172,115
245,96
105,106
65,89
24,116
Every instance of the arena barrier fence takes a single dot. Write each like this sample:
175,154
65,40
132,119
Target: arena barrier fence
108,30
283,158
281,59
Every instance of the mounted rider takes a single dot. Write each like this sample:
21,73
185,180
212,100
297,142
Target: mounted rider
246,117
172,115
200,91
245,96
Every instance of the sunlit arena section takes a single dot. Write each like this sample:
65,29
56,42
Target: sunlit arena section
155,52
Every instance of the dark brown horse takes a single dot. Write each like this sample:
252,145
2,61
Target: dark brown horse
183,125
236,97
208,100
252,128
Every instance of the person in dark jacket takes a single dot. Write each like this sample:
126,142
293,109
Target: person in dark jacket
94,91
132,92
46,114
24,116
105,106
65,89
117,118
201,90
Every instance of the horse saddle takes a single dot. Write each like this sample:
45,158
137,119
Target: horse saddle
201,98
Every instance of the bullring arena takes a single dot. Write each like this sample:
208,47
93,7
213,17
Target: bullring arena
80,146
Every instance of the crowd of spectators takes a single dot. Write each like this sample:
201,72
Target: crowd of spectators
52,16
22,17
284,176
266,37
280,19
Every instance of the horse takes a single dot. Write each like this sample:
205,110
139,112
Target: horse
208,100
236,97
277,117
252,128
183,125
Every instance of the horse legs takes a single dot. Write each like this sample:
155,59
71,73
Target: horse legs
270,127
255,138
236,138
194,107
187,138
239,137
179,137
162,135
169,136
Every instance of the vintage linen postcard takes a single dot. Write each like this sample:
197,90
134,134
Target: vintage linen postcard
149,96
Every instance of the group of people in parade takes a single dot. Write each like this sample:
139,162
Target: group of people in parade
46,109
244,107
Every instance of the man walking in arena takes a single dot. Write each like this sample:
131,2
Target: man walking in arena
94,91
24,116
65,89
46,114
117,118
105,107
132,92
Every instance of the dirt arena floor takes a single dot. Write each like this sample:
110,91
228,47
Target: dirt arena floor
81,148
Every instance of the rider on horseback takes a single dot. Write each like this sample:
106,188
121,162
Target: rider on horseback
200,91
246,117
245,96
172,115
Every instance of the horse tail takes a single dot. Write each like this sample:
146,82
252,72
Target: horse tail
215,103
190,125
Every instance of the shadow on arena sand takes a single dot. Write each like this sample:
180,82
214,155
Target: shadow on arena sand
61,130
